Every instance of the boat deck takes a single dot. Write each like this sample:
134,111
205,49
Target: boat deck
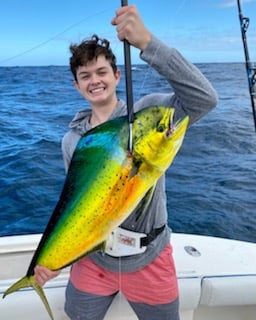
217,280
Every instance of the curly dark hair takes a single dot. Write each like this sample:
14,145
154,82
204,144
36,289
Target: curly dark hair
89,50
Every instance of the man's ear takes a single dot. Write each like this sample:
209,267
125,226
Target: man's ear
118,76
76,85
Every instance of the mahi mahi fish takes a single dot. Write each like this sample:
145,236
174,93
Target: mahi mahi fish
105,182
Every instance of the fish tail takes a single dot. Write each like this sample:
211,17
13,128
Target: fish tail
26,282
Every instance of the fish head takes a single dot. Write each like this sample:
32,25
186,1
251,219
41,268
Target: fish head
157,139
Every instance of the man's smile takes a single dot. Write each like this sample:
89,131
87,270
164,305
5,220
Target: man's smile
97,90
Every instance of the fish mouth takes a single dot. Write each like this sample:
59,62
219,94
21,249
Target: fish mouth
176,126
171,129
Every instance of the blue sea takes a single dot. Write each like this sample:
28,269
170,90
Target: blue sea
210,186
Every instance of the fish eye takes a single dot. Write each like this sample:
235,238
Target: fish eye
160,127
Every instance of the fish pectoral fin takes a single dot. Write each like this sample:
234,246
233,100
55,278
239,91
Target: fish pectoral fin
26,282
135,168
133,172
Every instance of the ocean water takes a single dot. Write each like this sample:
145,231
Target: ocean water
210,186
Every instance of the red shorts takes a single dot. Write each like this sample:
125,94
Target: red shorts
156,283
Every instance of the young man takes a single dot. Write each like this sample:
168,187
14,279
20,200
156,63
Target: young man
148,280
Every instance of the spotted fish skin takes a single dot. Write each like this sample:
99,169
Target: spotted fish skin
104,184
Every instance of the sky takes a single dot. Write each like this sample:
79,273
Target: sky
39,32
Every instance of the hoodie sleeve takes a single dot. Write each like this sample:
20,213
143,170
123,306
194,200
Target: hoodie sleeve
193,93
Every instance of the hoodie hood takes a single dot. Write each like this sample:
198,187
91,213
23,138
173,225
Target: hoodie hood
80,122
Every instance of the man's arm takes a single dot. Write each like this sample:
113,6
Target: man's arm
194,95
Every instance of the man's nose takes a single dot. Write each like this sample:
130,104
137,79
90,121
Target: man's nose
94,79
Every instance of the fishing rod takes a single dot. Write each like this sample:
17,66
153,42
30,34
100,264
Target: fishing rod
250,67
128,81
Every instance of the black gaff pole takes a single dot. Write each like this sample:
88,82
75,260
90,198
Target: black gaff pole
250,68
128,81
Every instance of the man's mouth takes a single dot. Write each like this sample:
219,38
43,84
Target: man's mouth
97,90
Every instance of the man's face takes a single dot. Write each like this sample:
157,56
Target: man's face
97,82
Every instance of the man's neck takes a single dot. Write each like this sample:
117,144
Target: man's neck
101,114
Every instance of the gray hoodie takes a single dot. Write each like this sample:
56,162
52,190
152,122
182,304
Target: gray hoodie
193,95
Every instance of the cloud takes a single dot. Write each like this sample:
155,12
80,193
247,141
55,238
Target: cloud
233,3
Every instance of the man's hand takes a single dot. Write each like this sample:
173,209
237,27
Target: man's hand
130,27
42,275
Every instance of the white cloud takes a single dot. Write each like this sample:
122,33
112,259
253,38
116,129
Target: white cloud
233,3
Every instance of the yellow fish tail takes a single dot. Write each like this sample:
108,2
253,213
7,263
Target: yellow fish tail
26,282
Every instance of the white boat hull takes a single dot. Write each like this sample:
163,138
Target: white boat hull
217,280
